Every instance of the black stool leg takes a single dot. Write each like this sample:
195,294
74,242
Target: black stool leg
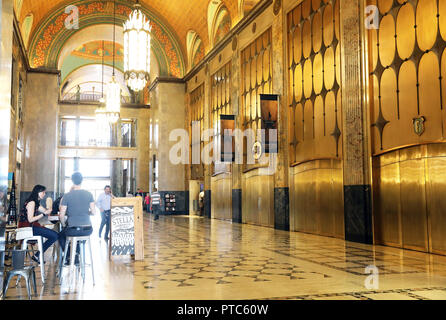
33,274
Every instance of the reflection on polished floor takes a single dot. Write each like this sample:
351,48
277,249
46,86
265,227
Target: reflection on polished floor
196,258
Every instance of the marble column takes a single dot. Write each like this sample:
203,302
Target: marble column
236,107
117,178
207,125
356,150
40,131
6,33
167,113
281,187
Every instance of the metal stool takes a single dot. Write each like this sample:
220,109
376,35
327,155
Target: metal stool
19,269
39,244
74,241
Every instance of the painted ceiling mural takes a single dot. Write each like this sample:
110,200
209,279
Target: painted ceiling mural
51,35
91,53
223,25
199,55
195,48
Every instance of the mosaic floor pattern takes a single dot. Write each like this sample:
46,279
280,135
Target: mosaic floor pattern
197,258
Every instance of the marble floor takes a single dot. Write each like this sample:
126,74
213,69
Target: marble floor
196,258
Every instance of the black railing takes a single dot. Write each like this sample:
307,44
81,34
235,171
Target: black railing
89,97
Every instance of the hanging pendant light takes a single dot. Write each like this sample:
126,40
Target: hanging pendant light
100,112
102,125
113,91
137,49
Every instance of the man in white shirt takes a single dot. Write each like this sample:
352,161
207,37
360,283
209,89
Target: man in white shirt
104,204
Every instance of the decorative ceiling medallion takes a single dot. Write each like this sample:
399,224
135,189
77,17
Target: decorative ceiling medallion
234,44
277,7
254,27
257,150
418,125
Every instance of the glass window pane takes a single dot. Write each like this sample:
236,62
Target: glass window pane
68,134
69,167
94,168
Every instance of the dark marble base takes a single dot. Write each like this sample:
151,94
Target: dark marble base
358,214
237,205
187,203
207,203
282,209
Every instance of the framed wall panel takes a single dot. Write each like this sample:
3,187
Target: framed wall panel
220,105
256,79
197,116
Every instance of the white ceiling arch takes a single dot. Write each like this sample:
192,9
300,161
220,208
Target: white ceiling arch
91,75
93,33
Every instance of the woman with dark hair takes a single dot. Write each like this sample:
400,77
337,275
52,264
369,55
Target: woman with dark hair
31,213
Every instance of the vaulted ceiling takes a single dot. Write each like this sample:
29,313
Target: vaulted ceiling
180,16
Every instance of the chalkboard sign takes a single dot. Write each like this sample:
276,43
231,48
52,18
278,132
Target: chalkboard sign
126,228
123,231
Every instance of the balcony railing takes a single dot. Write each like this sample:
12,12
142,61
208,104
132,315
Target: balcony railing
89,97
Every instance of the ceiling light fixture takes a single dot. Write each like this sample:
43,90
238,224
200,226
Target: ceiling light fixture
137,49
113,91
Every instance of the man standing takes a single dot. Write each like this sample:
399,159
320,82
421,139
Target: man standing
104,205
156,203
77,205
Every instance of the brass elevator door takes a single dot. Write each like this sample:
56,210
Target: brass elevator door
410,198
413,205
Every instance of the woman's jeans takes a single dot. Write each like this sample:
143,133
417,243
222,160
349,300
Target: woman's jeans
105,221
51,236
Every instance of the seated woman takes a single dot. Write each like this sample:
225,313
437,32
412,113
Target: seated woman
31,213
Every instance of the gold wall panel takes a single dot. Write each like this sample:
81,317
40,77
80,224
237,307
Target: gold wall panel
256,74
436,187
317,31
387,222
220,105
318,74
413,204
405,31
409,201
197,114
384,5
408,102
407,43
387,40
329,72
429,95
258,198
426,23
328,25
389,106
442,18
314,81
221,195
316,198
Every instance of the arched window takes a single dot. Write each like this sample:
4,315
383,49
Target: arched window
195,49
26,28
219,21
